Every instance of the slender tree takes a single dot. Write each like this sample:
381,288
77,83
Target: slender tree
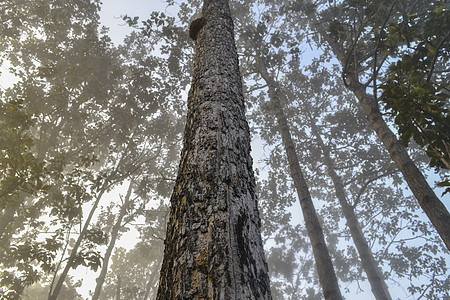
119,281
213,244
375,277
324,266
114,235
374,274
352,74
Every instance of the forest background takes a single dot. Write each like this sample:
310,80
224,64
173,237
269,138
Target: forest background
91,128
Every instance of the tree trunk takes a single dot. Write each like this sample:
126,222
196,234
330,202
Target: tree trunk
374,275
324,266
149,286
213,247
114,235
428,201
119,283
53,295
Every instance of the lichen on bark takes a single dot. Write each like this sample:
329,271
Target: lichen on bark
213,245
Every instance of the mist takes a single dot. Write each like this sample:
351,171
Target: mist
290,150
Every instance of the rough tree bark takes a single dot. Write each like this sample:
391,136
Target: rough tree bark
370,266
427,199
324,266
213,247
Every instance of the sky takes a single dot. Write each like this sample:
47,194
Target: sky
112,10
110,14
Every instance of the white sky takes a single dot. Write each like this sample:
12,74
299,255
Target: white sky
112,10
110,14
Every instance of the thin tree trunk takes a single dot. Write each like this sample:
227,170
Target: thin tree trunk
112,179
114,235
119,283
213,247
370,266
149,286
324,266
428,201
55,292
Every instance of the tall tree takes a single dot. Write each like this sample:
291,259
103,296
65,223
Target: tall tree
355,153
356,145
40,38
324,265
361,59
416,91
369,264
135,273
213,244
114,235
374,274
86,101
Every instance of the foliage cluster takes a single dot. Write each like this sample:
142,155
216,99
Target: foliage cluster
86,117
